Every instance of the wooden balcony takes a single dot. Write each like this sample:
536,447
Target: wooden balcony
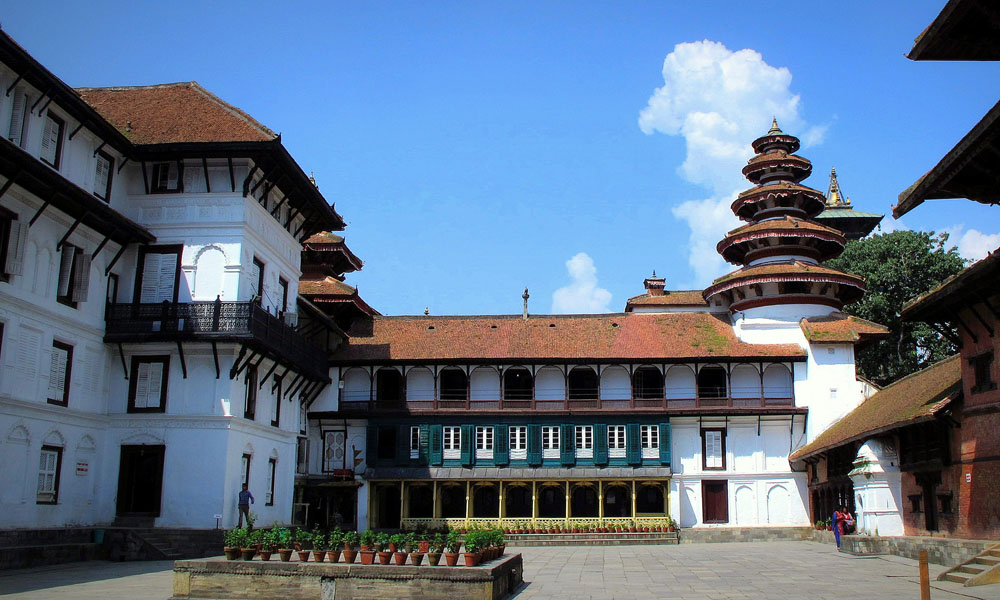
350,403
240,322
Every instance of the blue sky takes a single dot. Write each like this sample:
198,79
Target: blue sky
477,148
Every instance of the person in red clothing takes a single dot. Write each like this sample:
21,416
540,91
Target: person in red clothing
842,520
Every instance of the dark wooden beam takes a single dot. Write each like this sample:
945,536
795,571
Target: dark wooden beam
10,181
99,148
215,355
274,211
40,210
232,175
249,178
122,164
982,321
11,87
968,330
100,246
121,353
236,363
72,228
274,365
184,368
46,105
115,259
145,179
73,133
204,165
954,339
37,102
262,180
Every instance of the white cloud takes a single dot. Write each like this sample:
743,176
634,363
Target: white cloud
973,244
582,295
719,101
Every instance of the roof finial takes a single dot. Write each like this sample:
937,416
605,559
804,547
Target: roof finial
774,130
654,273
427,310
834,195
525,296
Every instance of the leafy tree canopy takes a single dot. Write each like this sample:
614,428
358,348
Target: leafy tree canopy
898,267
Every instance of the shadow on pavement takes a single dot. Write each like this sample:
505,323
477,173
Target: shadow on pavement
53,576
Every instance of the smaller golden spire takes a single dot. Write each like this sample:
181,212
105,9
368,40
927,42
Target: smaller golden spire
834,195
774,130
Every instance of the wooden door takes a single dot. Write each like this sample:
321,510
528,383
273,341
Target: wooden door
140,480
715,502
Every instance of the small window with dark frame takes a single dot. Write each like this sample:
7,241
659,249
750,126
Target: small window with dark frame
386,443
272,468
103,175
18,117
148,384
250,404
982,378
616,441
276,412
256,275
414,442
52,139
584,441
914,503
484,442
48,475
159,274
452,436
283,284
74,276
246,468
13,236
166,178
713,449
59,373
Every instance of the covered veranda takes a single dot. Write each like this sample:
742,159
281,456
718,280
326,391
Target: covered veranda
432,503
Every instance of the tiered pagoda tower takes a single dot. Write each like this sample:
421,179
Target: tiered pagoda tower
782,246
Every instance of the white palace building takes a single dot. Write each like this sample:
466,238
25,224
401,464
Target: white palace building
175,323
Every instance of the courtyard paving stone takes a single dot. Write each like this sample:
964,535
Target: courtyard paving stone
738,571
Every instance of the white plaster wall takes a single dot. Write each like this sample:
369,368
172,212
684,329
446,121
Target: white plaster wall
484,385
550,384
615,384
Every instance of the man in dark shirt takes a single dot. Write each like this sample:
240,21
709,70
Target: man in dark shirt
246,499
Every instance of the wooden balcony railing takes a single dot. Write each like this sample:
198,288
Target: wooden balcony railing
215,321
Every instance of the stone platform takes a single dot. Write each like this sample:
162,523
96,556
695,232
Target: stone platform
221,579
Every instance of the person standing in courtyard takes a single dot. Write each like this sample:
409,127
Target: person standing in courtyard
246,499
841,520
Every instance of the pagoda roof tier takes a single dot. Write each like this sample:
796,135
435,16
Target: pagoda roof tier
853,223
963,30
849,289
682,298
789,143
647,337
329,249
841,328
777,199
331,290
777,164
793,236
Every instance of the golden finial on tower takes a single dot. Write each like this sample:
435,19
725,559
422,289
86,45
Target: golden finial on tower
774,130
834,195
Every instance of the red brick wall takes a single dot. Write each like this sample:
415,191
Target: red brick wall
983,343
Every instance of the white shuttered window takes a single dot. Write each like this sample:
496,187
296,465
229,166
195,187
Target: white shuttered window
148,384
52,139
159,276
48,475
59,373
714,448
17,117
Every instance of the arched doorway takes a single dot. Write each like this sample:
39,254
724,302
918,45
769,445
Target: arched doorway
421,502
583,384
485,502
617,502
517,502
387,506
388,388
647,383
649,499
552,502
453,502
583,504
518,386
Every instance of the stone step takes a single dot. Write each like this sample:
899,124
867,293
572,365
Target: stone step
593,542
955,577
987,561
971,569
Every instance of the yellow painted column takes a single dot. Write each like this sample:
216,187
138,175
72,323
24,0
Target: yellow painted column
534,503
633,499
500,508
434,499
468,502
600,501
566,515
402,503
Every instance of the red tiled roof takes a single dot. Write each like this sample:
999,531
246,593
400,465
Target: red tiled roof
327,286
324,237
787,271
782,224
916,397
668,298
839,327
628,336
174,112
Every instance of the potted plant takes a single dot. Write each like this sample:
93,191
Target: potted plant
501,542
398,541
266,543
303,544
333,542
285,547
454,544
472,548
436,549
248,545
423,542
368,547
382,542
671,524
829,524
318,538
350,539
231,543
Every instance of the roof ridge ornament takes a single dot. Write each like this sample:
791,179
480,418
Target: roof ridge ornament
834,194
774,130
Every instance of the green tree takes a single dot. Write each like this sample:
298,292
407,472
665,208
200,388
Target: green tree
898,267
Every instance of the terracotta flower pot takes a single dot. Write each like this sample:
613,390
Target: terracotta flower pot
433,558
350,554
424,547
393,548
367,557
247,553
232,552
304,555
671,529
319,555
333,555
416,558
501,550
384,558
285,554
471,559
297,546
451,559
399,557
265,555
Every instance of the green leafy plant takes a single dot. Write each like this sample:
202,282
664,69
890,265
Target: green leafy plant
398,539
474,541
438,542
319,538
382,541
351,539
335,538
368,538
409,541
454,542
235,538
282,537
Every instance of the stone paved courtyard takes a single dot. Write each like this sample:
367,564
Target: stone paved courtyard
745,570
